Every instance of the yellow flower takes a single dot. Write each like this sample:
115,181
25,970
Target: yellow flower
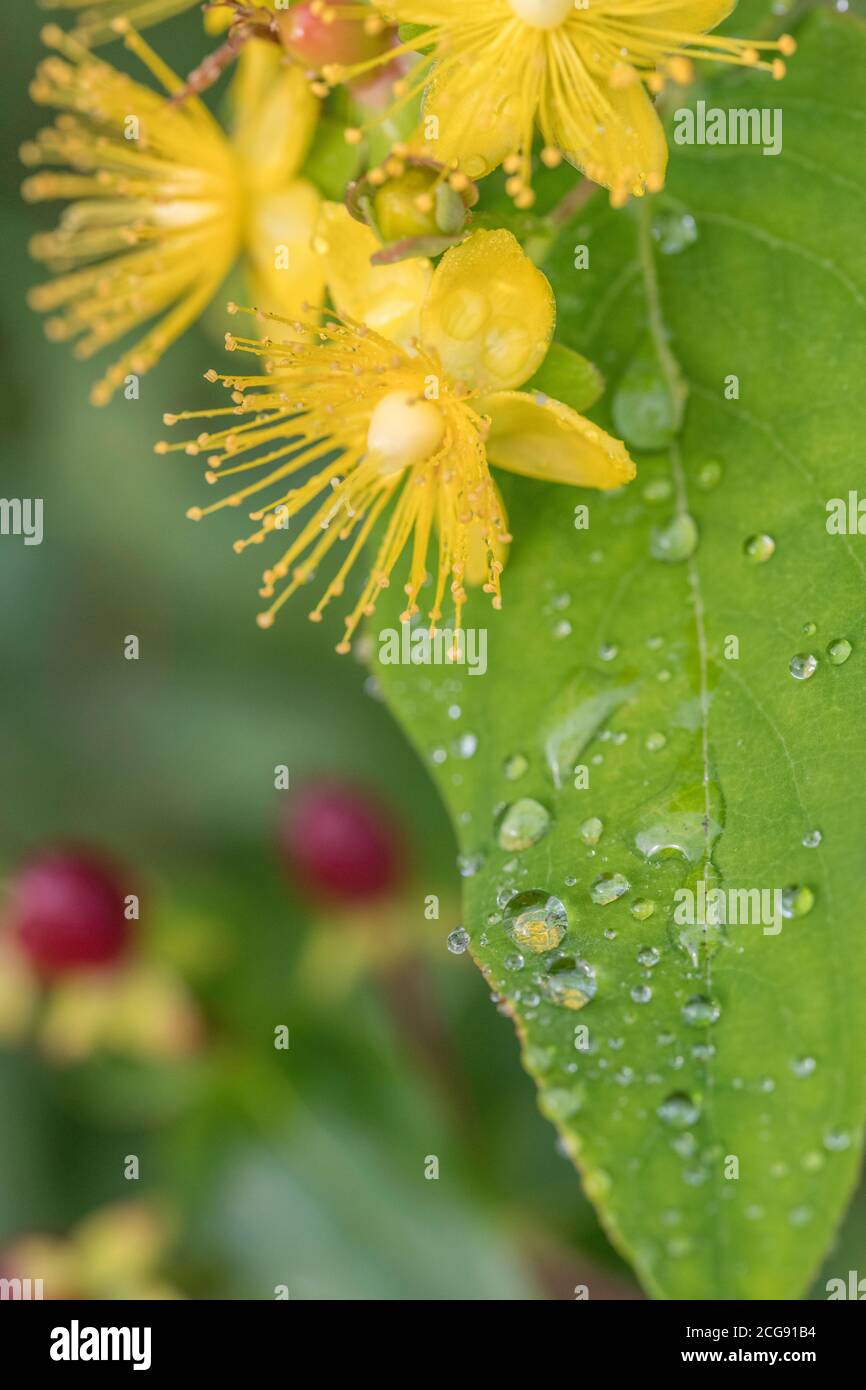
579,70
400,399
97,21
164,202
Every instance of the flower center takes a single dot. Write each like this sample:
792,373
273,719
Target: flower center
404,430
542,14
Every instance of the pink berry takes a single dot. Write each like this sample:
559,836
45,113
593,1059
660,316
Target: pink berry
341,844
314,36
67,911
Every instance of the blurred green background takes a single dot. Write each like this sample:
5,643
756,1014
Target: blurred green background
302,1168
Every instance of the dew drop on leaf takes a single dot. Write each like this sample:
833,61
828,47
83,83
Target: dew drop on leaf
522,824
458,941
700,1011
570,983
535,920
839,651
803,666
608,887
675,541
678,1110
759,548
591,831
797,900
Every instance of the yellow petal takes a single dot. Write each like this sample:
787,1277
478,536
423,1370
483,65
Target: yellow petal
477,115
551,441
387,298
688,17
618,140
490,312
284,270
275,116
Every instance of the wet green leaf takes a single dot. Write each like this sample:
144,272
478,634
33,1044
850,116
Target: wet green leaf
707,1077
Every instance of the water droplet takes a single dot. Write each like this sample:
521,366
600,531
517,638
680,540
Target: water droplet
809,629
676,541
803,1066
514,767
674,230
812,839
700,1011
465,746
562,629
679,1110
536,921
591,831
800,1216
559,1104
642,908
514,962
608,651
839,651
522,824
797,900
837,1141
655,741
759,548
468,865
608,887
570,983
659,490
645,413
641,994
709,474
458,941
803,666
649,956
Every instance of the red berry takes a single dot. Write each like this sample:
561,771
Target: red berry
67,911
342,844
315,36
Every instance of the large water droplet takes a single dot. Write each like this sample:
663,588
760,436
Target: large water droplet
535,920
678,1110
644,410
675,541
803,666
522,824
591,831
608,887
458,941
839,651
759,548
797,900
570,982
674,230
700,1011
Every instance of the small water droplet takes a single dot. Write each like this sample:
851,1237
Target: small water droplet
536,921
649,956
659,490
514,962
570,983
514,767
797,900
812,839
655,741
700,1011
522,824
465,746
803,1066
591,831
709,474
559,1104
759,548
562,629
458,941
641,994
676,541
608,887
839,651
809,629
837,1141
608,651
803,665
674,230
642,908
678,1110
468,865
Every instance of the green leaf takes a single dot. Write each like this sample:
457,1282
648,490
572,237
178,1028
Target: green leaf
566,376
716,1118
